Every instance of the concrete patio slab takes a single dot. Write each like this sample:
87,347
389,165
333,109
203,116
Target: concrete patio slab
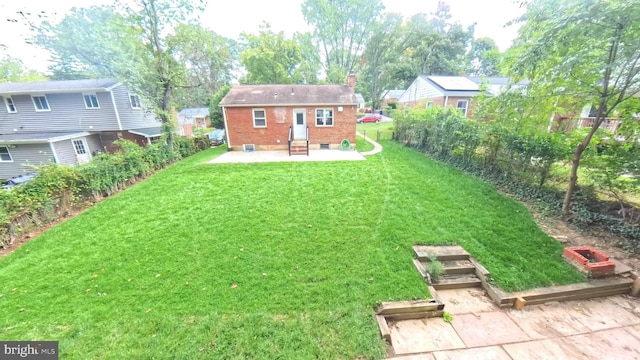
423,335
607,344
483,353
543,350
633,330
465,301
548,322
283,156
596,314
485,329
428,356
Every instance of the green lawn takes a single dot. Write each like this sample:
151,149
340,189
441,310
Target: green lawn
269,260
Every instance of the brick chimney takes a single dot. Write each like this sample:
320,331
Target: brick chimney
351,81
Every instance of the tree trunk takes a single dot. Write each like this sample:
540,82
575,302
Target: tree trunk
165,116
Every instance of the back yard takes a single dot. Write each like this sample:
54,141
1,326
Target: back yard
271,260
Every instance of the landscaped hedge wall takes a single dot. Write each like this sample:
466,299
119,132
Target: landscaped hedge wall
516,160
59,189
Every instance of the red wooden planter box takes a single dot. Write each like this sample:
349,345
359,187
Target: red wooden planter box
589,260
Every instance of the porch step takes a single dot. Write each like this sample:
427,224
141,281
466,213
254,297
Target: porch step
457,282
299,147
442,253
457,267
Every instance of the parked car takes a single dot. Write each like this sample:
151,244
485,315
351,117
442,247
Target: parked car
17,180
217,137
369,118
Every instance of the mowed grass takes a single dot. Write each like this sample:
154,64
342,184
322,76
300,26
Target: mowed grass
260,261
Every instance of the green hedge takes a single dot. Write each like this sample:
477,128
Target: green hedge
58,189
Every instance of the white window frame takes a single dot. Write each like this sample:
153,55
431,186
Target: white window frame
46,101
134,101
91,97
8,102
324,117
79,143
465,108
253,112
7,153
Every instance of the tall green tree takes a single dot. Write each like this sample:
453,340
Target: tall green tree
131,42
341,30
12,69
208,60
484,58
269,57
587,48
380,57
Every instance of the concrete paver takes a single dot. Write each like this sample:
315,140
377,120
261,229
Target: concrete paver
543,350
607,344
482,353
597,314
547,322
489,328
633,330
465,301
423,335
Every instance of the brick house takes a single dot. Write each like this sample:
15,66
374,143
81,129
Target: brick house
456,91
293,117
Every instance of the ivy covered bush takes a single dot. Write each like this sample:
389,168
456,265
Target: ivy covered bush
58,189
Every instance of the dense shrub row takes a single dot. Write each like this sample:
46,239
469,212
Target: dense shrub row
517,161
58,189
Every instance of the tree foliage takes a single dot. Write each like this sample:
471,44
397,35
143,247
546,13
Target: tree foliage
341,30
12,69
484,58
269,57
588,49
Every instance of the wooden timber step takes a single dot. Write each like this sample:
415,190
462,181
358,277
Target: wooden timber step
457,282
442,253
455,267
577,291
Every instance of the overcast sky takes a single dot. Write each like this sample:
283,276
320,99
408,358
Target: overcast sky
231,17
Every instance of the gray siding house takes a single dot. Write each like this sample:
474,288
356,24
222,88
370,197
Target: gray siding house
67,122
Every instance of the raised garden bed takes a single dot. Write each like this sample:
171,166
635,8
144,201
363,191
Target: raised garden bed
592,262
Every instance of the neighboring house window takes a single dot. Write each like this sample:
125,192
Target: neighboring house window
78,145
462,105
5,155
11,107
324,117
430,104
41,103
91,101
135,101
259,118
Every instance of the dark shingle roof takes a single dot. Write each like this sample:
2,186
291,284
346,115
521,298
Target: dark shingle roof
241,95
56,86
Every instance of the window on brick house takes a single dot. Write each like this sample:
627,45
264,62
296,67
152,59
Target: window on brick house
462,106
324,117
259,118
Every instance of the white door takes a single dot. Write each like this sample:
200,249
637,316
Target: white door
299,124
82,150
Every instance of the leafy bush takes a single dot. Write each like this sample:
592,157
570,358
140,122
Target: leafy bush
59,188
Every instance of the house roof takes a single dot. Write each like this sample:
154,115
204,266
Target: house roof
494,80
269,95
453,85
39,137
148,132
360,99
56,86
393,94
194,112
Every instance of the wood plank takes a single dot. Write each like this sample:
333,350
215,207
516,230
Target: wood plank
384,328
421,268
457,283
435,298
575,289
481,271
583,296
458,267
411,316
442,253
399,307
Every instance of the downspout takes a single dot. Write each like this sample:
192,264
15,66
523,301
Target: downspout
226,127
446,100
53,152
115,108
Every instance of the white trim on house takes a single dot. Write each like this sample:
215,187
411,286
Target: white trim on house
45,105
324,117
92,102
226,128
115,107
253,113
53,152
113,86
8,99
